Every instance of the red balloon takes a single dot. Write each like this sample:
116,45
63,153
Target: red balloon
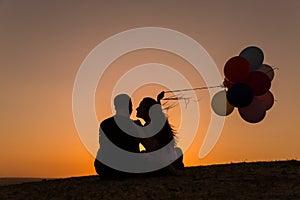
259,82
253,113
268,70
267,99
237,69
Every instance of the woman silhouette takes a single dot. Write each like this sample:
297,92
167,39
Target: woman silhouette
165,136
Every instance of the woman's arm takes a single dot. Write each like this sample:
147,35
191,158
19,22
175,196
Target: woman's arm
160,96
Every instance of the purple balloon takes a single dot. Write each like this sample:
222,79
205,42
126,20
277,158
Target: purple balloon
267,99
253,113
268,70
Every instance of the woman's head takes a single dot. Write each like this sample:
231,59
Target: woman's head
166,133
144,108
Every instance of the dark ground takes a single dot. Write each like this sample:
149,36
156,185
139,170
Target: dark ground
257,180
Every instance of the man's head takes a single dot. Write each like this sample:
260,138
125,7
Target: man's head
123,104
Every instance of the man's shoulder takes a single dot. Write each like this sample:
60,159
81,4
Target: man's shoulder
107,121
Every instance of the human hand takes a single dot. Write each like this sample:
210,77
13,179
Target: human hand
160,96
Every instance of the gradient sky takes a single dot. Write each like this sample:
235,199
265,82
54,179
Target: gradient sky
43,43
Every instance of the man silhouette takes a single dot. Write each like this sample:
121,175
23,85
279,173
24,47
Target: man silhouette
119,131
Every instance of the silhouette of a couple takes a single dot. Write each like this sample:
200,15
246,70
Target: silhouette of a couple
121,132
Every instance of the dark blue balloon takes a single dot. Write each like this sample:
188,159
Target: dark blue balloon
239,95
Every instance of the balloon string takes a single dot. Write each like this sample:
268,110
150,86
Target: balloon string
271,70
181,97
198,88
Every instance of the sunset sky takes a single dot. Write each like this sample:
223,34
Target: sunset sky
43,44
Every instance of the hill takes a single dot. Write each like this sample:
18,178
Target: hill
263,180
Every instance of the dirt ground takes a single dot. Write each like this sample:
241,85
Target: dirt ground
257,180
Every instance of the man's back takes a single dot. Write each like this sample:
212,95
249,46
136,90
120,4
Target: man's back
117,131
111,134
119,137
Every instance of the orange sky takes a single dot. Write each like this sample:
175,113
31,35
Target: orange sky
42,45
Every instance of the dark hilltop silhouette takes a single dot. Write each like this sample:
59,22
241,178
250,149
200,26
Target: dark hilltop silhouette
254,180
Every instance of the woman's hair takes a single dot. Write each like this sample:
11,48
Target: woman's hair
167,133
148,102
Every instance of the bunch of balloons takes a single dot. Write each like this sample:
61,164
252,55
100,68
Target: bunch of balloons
247,83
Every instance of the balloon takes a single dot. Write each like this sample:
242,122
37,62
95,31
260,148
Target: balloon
220,104
268,70
237,69
254,56
253,113
259,82
239,95
267,99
